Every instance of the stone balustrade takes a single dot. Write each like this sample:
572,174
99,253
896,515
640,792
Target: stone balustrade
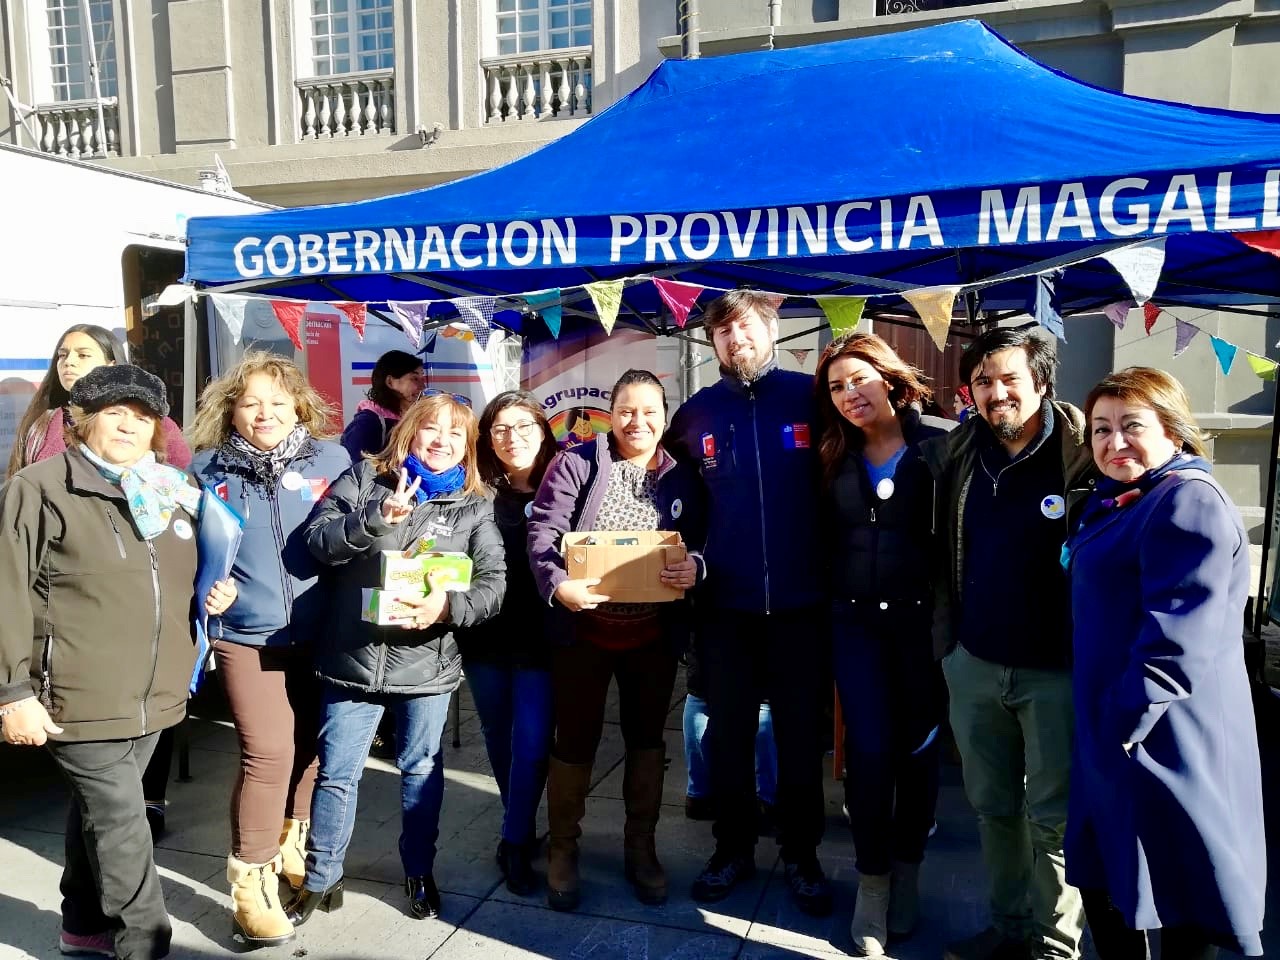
537,86
347,105
71,128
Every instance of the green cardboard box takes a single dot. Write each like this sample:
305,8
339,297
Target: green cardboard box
401,574
382,607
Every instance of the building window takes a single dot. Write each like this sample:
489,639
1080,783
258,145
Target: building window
528,25
69,49
351,36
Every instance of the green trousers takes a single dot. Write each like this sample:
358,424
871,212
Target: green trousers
1013,727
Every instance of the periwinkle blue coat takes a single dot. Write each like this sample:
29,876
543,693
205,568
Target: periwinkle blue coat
1170,827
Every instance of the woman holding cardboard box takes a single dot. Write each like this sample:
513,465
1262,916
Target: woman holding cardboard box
261,441
622,481
422,491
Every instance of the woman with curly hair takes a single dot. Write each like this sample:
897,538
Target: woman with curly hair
261,437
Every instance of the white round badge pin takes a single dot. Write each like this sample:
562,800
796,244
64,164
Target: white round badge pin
528,509
292,480
1053,507
884,489
182,529
677,508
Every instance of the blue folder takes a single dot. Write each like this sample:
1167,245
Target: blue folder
217,540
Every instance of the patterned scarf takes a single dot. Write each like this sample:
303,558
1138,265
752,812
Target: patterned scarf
265,467
153,491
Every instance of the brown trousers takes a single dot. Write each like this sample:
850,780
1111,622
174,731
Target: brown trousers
275,703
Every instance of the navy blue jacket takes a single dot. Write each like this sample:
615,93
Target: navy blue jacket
755,446
1166,791
279,603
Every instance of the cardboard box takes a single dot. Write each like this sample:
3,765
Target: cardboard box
401,574
628,562
382,607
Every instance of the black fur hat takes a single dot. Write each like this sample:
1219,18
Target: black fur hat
119,383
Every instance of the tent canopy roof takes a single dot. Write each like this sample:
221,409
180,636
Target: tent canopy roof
932,157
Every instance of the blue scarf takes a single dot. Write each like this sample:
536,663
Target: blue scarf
433,484
153,490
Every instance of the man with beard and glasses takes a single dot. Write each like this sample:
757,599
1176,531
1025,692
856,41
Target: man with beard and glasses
1009,479
760,632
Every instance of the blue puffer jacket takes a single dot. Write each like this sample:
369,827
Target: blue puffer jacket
755,447
279,602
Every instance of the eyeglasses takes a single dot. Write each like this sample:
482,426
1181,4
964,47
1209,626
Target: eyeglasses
460,397
524,429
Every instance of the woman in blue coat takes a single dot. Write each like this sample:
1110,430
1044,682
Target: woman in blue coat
260,442
1165,827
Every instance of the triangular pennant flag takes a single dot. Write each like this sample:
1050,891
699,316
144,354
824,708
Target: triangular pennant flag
607,297
1184,333
1046,307
230,310
679,298
356,313
1118,312
1264,368
290,317
1150,313
800,355
477,313
547,303
431,344
412,314
775,300
843,313
934,306
1226,353
1268,241
1139,267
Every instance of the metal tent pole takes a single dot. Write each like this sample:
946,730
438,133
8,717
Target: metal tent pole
1260,607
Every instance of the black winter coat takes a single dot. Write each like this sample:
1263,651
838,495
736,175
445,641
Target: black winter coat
883,549
348,533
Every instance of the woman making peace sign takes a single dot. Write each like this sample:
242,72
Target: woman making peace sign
425,484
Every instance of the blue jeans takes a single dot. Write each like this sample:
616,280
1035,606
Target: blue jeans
514,704
891,693
347,724
695,759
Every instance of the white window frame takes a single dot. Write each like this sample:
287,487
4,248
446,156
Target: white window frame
305,55
543,9
44,89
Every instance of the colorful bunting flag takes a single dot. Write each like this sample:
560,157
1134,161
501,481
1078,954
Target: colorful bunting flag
1184,333
431,344
412,314
1268,241
934,306
775,300
357,314
1226,353
1118,312
607,297
477,314
1150,313
679,298
843,313
800,355
1046,307
230,310
1264,368
1139,267
290,317
547,303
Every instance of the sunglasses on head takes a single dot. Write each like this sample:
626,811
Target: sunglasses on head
461,398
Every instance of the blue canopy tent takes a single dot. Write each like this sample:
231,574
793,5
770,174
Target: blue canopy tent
939,156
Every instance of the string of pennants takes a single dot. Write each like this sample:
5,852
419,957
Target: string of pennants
1139,265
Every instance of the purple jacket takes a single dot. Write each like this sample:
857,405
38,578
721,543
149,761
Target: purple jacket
570,496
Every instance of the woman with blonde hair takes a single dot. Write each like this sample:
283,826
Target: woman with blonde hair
1165,828
262,441
423,486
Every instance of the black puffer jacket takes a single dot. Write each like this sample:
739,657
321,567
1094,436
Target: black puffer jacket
347,533
882,549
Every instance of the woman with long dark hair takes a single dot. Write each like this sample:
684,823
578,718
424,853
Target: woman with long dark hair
397,380
507,660
880,507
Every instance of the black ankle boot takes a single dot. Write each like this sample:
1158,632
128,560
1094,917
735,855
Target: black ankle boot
424,898
514,862
301,907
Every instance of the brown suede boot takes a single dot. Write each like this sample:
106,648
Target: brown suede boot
293,851
567,786
642,796
259,919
